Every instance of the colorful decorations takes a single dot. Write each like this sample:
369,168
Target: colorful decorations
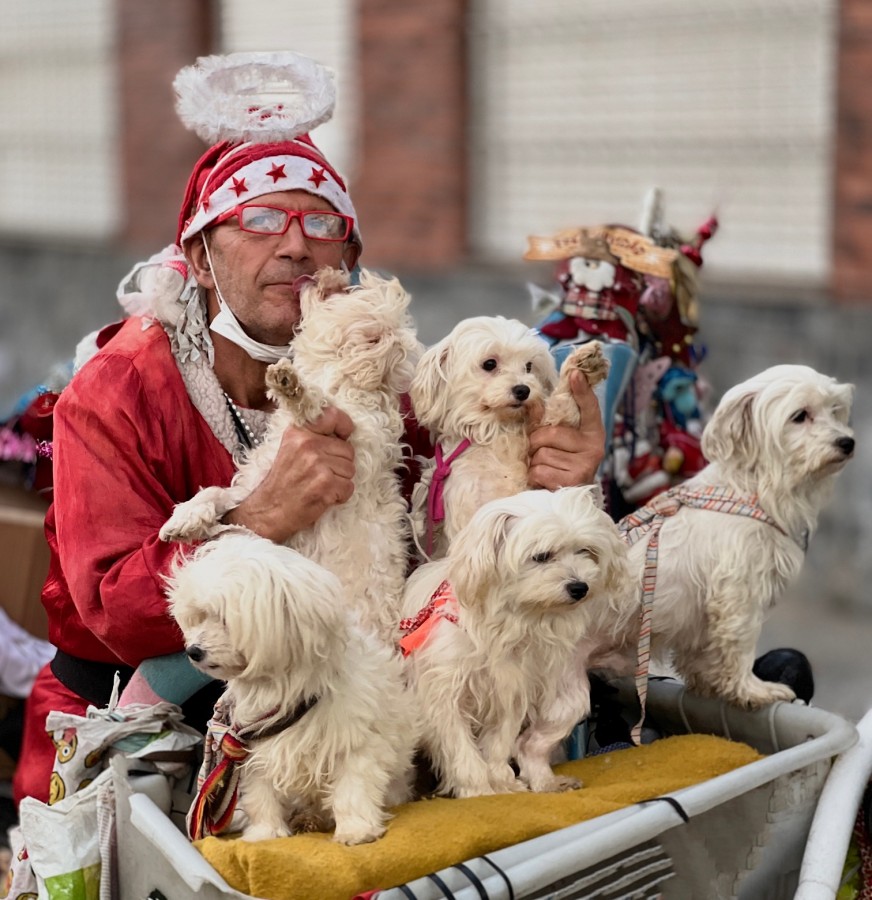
637,291
25,441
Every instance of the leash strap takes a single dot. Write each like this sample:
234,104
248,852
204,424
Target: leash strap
648,521
435,495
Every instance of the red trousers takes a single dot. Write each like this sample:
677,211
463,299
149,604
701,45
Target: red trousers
33,772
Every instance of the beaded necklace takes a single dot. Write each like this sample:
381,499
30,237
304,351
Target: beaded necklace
244,431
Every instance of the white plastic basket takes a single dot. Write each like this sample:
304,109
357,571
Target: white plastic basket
834,819
744,837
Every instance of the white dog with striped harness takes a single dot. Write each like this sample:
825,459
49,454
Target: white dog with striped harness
714,554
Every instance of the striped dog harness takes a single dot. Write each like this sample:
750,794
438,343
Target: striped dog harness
647,521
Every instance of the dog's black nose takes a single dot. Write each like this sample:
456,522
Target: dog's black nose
195,653
846,445
577,590
520,392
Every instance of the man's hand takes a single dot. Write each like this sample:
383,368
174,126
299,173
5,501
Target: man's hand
313,470
563,456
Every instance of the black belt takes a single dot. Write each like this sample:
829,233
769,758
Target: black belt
92,681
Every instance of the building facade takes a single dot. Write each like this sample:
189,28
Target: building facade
465,129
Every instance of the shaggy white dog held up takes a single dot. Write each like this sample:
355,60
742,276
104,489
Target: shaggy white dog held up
734,536
355,350
273,625
492,631
479,391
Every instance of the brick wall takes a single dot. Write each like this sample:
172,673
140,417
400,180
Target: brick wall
852,225
410,189
155,39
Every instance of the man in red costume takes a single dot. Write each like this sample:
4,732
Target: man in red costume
178,388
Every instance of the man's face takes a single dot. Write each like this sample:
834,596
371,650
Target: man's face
256,272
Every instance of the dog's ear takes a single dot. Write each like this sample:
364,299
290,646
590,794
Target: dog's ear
604,539
614,562
544,366
292,608
392,294
316,288
730,437
845,394
476,551
428,392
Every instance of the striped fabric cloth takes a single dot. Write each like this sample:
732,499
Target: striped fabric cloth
647,521
218,779
227,746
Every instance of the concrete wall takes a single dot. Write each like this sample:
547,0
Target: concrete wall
49,299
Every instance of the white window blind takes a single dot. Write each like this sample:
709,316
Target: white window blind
59,167
579,107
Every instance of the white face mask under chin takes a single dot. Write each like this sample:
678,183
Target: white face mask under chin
227,325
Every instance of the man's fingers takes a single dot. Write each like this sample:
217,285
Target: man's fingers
332,421
585,399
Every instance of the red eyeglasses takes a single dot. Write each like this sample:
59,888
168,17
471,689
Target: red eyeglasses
316,224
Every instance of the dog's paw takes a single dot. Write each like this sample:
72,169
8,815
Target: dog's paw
190,522
263,832
282,381
306,822
516,786
590,361
754,693
556,784
510,784
360,834
467,791
772,693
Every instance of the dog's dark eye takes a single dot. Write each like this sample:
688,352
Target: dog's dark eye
545,557
528,368
489,365
800,416
585,551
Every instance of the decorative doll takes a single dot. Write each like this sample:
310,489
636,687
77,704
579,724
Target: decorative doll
636,291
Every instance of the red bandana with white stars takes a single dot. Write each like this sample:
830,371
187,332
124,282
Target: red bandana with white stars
244,172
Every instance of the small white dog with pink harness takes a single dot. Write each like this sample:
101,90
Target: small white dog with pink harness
479,391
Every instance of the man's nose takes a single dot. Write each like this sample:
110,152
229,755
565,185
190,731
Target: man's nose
293,242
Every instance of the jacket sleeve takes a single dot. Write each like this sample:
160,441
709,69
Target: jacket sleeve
118,469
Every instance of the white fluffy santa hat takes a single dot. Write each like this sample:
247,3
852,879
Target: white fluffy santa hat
256,110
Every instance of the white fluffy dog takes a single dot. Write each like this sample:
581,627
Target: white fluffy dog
530,576
486,383
774,444
356,350
273,625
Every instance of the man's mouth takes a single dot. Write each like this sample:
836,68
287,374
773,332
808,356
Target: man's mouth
293,285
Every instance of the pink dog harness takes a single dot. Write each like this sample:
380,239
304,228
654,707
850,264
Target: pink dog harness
647,521
435,496
416,629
